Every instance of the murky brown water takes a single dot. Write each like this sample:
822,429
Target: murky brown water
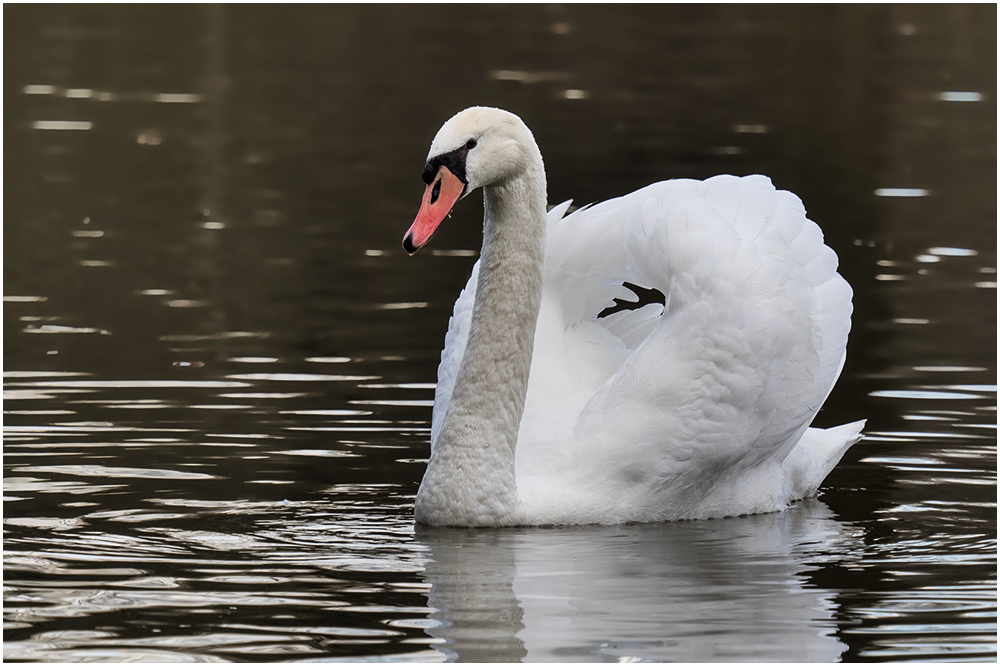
218,362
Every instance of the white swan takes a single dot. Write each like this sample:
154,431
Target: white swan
546,413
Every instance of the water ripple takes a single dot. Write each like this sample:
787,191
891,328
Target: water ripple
118,472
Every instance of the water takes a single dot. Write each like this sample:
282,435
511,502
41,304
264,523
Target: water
219,364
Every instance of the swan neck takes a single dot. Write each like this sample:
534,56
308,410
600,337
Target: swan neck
473,454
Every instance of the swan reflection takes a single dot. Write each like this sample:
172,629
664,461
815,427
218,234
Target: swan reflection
735,589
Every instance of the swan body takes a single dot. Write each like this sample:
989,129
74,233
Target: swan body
546,413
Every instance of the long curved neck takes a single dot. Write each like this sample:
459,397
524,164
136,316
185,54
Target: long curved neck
470,477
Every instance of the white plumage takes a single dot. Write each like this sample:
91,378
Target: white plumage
696,409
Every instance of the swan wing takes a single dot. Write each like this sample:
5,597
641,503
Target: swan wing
454,349
686,409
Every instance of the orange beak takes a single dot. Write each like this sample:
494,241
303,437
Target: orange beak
439,197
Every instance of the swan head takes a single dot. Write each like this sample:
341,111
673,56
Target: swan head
477,147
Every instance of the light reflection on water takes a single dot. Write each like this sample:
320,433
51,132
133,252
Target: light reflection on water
218,363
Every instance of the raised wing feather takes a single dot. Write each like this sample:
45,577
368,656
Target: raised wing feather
726,379
685,410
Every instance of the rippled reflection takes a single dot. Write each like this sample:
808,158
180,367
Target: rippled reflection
641,593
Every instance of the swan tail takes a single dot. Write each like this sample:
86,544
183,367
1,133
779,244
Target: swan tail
816,454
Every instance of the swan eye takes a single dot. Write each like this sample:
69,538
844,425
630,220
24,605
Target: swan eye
471,144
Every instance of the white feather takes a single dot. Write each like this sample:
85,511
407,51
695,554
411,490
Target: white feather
700,408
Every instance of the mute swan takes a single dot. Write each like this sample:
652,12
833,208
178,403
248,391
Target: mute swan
546,413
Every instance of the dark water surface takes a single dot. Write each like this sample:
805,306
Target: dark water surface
219,364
